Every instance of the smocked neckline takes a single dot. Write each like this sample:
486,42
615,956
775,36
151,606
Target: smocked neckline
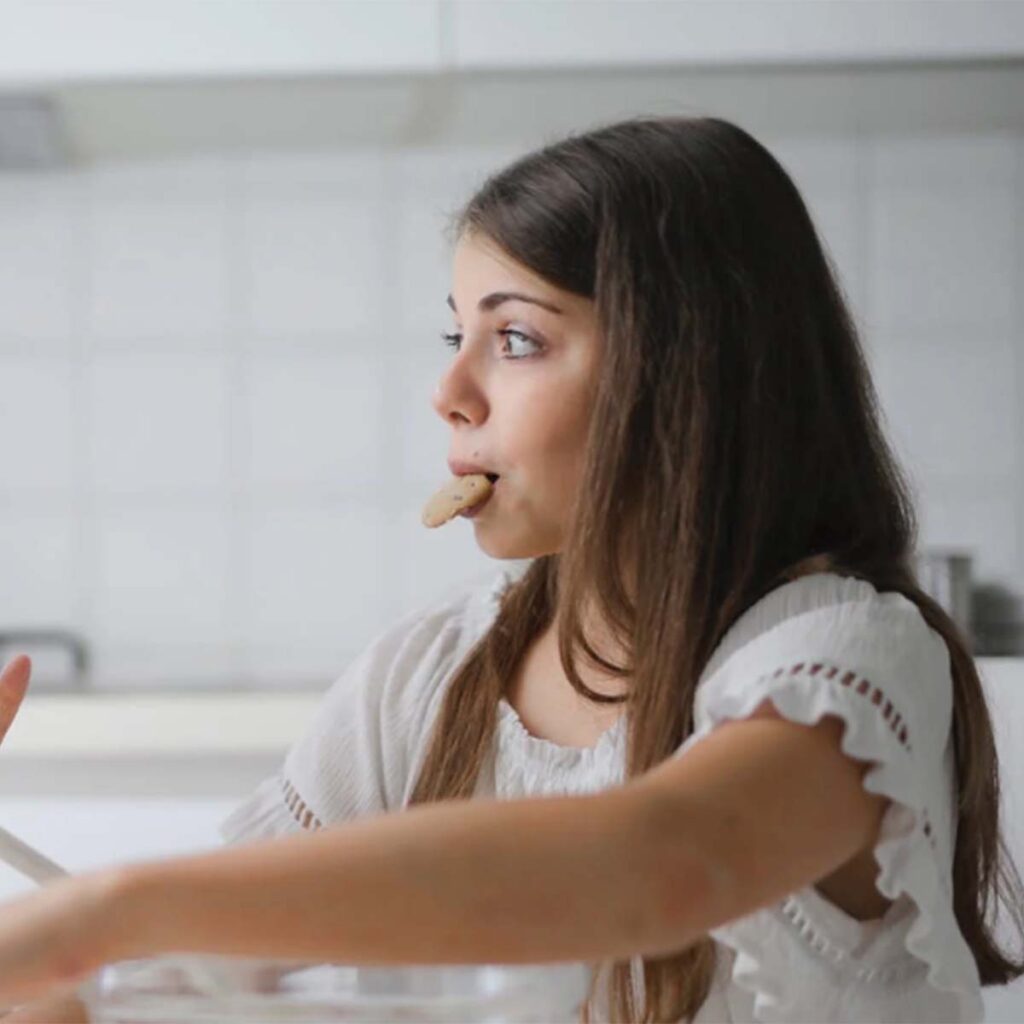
513,728
832,586
548,750
828,588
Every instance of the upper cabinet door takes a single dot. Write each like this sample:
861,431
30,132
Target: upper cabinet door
45,42
495,34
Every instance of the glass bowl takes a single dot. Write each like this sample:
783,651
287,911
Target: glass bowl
229,990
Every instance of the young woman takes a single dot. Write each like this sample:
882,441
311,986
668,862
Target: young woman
718,742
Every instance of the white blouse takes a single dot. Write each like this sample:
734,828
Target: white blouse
822,644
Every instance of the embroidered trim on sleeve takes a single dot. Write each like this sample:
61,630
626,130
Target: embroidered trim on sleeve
875,696
809,934
300,812
864,688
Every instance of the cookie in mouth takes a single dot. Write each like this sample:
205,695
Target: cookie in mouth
458,495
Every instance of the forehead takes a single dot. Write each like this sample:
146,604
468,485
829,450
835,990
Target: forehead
476,256
480,266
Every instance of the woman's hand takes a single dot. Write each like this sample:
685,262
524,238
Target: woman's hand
64,1007
13,684
14,681
59,935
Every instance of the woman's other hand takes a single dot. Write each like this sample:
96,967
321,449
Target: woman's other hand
61,1008
13,684
58,935
66,1007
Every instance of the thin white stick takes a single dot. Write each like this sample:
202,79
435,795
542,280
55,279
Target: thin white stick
26,860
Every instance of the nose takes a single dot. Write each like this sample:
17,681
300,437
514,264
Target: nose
458,398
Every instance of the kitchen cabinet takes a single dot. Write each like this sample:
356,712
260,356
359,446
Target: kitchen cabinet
504,34
98,80
60,41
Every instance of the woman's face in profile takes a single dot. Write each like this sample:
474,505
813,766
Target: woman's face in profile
517,395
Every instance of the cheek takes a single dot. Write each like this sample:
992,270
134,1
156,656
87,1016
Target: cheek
545,431
560,442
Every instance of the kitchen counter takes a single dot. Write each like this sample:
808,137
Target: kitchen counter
240,722
158,723
169,744
213,744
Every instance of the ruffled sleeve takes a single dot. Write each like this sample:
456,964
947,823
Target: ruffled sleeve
361,751
262,815
827,645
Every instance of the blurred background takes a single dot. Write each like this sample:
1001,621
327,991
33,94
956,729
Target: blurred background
223,274
223,277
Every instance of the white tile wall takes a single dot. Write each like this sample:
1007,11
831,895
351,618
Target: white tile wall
37,423
158,423
40,220
312,247
950,402
942,237
318,420
161,575
216,432
319,574
37,551
157,257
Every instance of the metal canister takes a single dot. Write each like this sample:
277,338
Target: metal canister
945,575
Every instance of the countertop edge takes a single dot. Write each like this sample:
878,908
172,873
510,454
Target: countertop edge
262,722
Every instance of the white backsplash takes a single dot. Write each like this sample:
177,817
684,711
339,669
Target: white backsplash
216,431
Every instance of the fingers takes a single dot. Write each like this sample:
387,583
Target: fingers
62,1007
43,947
13,684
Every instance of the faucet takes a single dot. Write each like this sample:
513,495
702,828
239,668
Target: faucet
55,637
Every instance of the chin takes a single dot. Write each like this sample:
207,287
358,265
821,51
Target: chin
512,548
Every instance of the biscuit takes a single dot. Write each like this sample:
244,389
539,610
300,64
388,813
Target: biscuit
460,493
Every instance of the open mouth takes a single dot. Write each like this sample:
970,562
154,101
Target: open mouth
469,513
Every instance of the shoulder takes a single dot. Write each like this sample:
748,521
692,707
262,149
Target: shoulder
825,609
358,749
826,631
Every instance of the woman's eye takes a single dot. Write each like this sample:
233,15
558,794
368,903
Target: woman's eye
512,338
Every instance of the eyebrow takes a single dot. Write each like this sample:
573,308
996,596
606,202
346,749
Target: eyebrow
495,299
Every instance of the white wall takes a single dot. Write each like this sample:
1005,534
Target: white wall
215,430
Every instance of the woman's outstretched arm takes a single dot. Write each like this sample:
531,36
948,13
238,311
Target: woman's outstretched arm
455,882
757,809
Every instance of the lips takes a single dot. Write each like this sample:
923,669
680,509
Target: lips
459,468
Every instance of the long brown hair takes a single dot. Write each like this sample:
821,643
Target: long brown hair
735,443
